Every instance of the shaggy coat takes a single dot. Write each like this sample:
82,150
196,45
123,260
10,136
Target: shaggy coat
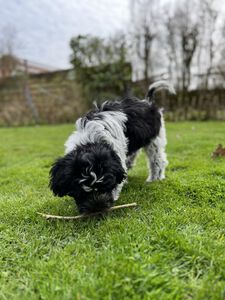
103,147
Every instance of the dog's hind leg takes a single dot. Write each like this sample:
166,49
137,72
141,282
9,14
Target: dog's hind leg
157,156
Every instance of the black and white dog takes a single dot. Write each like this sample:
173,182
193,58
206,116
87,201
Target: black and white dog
103,147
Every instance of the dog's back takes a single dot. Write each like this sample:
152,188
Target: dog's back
143,116
143,122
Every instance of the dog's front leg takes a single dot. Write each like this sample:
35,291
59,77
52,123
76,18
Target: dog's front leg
130,161
116,192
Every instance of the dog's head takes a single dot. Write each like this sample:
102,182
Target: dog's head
89,174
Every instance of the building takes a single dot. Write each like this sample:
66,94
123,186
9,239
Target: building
12,66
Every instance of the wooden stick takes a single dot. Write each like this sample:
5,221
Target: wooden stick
86,216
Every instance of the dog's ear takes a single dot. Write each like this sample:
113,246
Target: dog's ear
62,175
118,171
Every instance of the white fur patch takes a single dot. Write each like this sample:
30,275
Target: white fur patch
109,128
160,85
157,156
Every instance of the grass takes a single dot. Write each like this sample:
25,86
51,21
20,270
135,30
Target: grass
172,246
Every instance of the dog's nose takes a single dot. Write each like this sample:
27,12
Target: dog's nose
95,202
96,206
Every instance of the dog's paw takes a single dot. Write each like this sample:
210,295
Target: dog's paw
150,179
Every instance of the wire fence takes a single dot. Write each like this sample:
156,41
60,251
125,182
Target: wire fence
46,101
195,105
40,103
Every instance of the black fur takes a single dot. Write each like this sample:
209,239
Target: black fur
151,94
66,173
142,125
143,120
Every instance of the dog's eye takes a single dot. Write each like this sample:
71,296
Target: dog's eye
70,194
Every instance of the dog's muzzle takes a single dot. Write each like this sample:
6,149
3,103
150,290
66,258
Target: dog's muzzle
96,203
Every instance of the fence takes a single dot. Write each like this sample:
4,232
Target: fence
56,98
194,105
44,99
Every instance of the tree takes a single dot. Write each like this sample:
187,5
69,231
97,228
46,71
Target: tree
192,38
221,63
8,40
209,16
182,30
144,34
8,45
171,49
101,65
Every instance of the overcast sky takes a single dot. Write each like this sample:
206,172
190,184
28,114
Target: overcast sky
46,26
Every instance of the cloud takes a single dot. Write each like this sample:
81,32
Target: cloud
45,27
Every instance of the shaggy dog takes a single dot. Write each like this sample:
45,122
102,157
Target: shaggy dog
103,147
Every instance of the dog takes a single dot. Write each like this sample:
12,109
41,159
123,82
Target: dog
104,146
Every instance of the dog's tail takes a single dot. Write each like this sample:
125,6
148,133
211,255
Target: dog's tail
159,85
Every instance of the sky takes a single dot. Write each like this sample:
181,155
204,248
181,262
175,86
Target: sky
45,27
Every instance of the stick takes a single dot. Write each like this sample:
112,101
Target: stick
85,216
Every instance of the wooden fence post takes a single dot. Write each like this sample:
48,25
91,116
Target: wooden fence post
28,95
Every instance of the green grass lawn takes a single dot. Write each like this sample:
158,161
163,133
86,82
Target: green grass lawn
172,246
